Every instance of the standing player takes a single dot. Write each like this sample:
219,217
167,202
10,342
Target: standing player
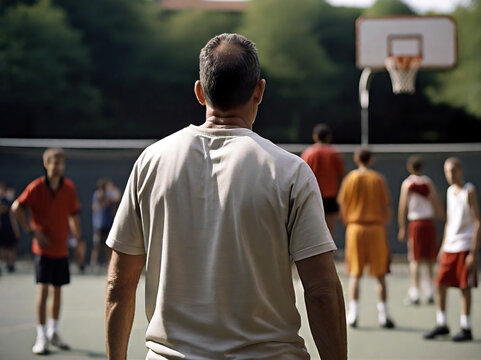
9,232
419,203
365,208
54,206
458,262
327,165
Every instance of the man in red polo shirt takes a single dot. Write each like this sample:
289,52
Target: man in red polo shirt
53,208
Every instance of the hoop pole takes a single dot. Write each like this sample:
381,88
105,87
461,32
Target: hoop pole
364,85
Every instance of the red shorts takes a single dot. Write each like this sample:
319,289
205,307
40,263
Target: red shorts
454,273
422,244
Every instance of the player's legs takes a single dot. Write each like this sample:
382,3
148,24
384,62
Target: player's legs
41,303
381,288
56,302
61,276
355,255
353,310
94,255
41,343
382,309
331,219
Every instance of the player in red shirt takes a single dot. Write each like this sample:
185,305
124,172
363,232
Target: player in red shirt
53,208
327,165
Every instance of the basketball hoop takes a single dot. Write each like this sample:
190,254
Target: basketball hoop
403,71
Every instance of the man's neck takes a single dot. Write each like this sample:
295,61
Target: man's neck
459,184
362,168
53,181
239,117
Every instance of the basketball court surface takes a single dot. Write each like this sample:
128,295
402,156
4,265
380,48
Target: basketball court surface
82,321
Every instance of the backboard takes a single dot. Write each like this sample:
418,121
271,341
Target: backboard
431,38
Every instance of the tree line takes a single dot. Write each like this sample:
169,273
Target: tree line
126,69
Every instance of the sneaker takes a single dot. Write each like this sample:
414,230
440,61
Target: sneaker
55,340
389,324
430,300
41,346
437,331
353,324
409,301
463,335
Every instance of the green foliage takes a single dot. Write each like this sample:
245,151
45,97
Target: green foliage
186,32
43,69
388,7
462,85
289,51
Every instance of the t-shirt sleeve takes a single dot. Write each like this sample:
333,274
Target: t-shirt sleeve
307,229
126,235
26,198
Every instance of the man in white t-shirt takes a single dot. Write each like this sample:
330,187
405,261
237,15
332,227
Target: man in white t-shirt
217,214
419,204
459,251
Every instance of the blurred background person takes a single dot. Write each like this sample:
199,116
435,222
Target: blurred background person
9,232
105,200
328,167
419,204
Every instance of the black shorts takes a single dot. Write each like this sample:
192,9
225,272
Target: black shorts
52,271
330,205
7,239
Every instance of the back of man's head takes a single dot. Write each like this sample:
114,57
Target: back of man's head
229,70
363,155
415,164
323,133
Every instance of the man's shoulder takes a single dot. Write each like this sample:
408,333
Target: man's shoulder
69,183
37,183
276,151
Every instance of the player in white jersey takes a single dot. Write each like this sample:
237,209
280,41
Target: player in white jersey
459,250
419,204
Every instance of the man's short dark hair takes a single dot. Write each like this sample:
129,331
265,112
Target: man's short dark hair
415,163
322,131
229,70
364,155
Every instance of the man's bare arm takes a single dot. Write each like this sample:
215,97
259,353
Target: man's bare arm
474,207
20,214
325,305
402,211
122,279
433,196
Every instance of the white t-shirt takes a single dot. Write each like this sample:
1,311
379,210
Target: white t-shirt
220,215
419,207
460,226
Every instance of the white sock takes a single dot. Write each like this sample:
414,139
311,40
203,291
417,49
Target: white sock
441,318
465,322
52,326
413,293
41,331
352,311
382,313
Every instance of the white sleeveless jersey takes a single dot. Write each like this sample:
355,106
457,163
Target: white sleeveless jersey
419,207
460,226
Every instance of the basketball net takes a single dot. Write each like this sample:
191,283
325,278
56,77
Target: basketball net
403,71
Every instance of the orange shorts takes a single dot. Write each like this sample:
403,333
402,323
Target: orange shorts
422,244
367,245
454,273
